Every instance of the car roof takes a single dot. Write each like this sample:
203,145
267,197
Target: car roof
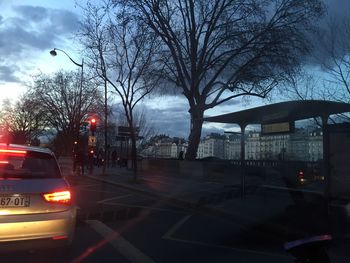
26,148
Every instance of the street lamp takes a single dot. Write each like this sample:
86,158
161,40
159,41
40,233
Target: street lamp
81,65
54,53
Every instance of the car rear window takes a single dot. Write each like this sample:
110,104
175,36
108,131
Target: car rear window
27,165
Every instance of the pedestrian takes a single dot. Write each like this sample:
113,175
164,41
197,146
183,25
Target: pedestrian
181,155
100,158
114,158
80,162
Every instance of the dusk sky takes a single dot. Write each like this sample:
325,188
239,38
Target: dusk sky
29,29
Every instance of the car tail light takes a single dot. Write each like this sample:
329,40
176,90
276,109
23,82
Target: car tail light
13,152
61,197
59,237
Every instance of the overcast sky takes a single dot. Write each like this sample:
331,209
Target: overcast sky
29,29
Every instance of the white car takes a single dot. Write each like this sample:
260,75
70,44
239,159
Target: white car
36,207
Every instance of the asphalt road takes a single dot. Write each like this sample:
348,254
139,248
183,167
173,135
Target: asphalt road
117,225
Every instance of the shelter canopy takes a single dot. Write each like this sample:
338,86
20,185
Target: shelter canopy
283,112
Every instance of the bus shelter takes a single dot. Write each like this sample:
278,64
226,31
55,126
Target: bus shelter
280,118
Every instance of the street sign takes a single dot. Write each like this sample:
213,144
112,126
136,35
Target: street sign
92,141
275,128
125,131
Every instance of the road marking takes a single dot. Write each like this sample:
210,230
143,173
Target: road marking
156,181
97,191
208,182
244,250
146,207
169,236
123,246
86,185
114,198
292,189
89,185
173,229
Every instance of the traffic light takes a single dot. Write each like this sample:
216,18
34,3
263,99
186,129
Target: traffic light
93,125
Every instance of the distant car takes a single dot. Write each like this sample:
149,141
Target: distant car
36,207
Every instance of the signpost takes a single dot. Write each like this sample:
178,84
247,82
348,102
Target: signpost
92,141
275,128
126,131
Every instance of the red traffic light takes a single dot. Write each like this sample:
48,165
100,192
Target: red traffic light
93,125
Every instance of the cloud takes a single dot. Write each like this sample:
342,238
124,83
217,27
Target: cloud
7,74
173,120
32,13
29,30
169,115
332,36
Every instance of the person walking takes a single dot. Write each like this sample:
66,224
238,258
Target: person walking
114,158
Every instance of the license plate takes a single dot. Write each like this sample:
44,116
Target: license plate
14,201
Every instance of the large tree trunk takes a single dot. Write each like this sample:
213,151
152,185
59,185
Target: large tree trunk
195,133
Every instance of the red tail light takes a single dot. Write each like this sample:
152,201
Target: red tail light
59,237
62,197
12,152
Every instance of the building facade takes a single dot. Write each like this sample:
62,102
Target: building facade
301,145
211,147
165,149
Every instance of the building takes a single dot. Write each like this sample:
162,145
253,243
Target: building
303,145
232,149
315,147
212,146
165,148
300,145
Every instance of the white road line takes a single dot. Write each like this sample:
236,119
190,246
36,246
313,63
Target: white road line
169,236
212,183
113,198
97,191
123,246
292,189
173,229
146,207
198,243
87,185
156,181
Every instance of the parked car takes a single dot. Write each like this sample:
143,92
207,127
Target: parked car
36,203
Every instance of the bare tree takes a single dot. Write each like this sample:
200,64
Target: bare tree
121,50
333,56
58,96
24,120
329,78
218,50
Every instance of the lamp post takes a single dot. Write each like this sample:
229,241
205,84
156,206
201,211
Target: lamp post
81,65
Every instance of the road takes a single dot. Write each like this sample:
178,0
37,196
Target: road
118,225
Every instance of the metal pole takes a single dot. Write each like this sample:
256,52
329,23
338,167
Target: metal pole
77,124
79,116
243,166
105,124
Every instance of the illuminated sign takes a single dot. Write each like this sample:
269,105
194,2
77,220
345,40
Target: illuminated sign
280,127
